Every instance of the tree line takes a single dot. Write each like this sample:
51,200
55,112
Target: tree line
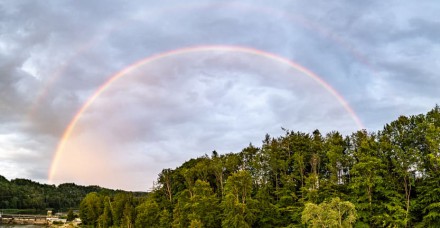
33,196
388,178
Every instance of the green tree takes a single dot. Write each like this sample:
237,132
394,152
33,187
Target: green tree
402,142
148,214
165,219
118,205
105,219
90,209
335,213
337,160
218,169
165,179
70,215
366,174
204,205
238,204
182,209
429,189
129,214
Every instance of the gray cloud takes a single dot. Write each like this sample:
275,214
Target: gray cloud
381,56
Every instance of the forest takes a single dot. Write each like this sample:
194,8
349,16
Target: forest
388,178
32,197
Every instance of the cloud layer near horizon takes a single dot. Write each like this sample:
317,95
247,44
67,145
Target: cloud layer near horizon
382,57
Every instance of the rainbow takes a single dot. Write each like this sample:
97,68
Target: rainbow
182,51
266,10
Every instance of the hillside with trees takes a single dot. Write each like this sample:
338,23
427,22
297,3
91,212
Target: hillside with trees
388,178
33,197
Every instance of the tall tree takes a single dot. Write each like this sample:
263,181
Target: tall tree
90,209
366,174
165,179
105,219
401,141
429,190
204,205
238,204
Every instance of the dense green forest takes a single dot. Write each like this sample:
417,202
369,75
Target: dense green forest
27,194
388,178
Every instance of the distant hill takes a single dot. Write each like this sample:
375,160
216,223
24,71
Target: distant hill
27,194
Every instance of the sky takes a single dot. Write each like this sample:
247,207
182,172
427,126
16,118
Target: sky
111,92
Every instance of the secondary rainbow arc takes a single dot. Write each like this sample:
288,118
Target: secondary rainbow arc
224,48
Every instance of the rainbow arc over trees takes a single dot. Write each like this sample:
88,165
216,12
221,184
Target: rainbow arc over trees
188,50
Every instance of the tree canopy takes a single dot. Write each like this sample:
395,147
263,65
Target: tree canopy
388,178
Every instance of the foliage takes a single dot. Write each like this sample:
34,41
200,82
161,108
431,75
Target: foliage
335,213
389,178
70,215
27,194
99,209
90,209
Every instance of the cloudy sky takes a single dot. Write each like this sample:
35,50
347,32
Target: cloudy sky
224,74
